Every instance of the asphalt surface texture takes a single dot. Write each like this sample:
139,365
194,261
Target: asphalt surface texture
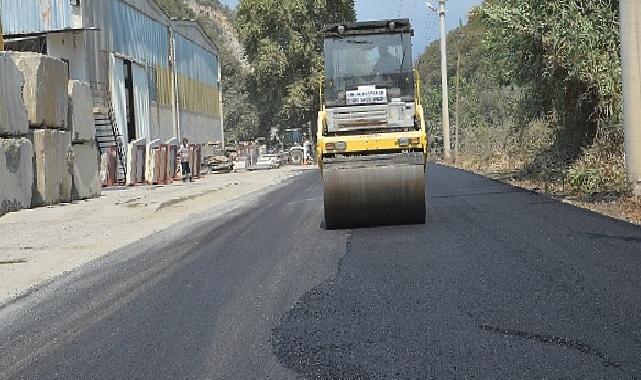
500,283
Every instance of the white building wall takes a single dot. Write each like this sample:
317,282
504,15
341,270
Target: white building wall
200,129
71,48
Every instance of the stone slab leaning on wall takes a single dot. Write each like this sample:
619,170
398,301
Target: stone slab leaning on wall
53,167
45,90
81,121
13,114
86,171
16,174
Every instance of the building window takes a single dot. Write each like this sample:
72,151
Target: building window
27,44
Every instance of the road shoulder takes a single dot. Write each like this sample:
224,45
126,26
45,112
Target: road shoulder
625,208
41,244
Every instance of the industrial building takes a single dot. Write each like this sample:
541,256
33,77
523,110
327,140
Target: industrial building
152,77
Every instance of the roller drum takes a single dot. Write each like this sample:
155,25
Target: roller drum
374,192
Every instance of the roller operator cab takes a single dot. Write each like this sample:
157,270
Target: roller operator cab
372,143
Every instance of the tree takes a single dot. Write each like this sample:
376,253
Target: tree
284,44
541,88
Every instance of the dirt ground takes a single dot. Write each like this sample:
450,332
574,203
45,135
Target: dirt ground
39,244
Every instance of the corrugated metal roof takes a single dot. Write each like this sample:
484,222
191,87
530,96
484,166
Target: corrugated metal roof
29,16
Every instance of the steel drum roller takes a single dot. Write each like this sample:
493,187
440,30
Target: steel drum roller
373,193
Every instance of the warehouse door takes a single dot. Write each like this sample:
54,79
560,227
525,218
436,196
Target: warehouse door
119,96
129,92
141,102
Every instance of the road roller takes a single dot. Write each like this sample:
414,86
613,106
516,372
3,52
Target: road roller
371,136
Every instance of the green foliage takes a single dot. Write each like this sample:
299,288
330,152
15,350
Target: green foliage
176,8
568,41
601,168
283,44
540,90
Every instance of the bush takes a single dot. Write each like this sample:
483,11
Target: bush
601,168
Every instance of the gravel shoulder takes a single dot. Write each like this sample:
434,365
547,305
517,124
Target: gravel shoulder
626,208
40,244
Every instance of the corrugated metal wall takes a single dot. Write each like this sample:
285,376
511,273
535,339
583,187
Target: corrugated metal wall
195,62
198,97
138,36
164,86
197,78
27,16
129,32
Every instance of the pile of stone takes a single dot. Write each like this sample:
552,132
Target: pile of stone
48,153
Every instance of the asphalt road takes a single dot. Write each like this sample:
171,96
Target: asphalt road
501,283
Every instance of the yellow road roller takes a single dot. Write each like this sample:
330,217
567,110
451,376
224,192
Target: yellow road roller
372,142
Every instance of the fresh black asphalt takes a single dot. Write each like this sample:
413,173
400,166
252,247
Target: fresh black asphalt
500,283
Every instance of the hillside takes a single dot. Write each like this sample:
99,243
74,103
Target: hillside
217,18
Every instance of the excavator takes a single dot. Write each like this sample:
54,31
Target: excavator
371,136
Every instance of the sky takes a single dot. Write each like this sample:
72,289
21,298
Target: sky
424,21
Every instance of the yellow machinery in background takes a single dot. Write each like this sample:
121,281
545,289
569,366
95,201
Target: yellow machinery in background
372,141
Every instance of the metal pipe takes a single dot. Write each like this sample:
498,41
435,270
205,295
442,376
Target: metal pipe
220,103
175,109
446,101
630,14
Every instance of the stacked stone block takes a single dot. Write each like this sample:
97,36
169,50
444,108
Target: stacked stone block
16,174
48,151
45,89
45,97
86,164
53,167
16,152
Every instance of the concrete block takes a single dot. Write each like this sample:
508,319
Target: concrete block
53,167
13,114
45,89
86,171
16,174
81,121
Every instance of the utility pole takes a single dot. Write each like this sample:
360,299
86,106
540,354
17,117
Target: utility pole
446,99
458,91
630,14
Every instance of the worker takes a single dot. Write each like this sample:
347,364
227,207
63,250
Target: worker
387,63
184,153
